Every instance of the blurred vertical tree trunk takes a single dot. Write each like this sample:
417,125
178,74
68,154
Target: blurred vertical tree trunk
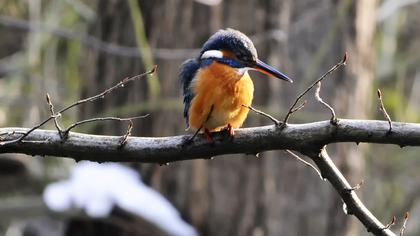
353,98
273,195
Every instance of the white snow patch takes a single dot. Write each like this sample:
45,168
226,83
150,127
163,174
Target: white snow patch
97,188
209,2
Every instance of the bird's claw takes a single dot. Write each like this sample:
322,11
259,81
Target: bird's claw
208,136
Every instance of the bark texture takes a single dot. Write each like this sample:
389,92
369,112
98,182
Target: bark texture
298,137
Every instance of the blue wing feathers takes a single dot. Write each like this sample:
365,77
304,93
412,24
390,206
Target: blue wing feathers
187,72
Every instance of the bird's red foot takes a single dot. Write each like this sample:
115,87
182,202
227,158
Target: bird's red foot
230,130
208,136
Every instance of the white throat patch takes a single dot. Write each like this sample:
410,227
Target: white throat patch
242,71
212,53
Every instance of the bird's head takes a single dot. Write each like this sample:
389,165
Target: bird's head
236,50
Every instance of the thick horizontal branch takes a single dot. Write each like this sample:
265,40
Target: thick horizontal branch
309,139
299,137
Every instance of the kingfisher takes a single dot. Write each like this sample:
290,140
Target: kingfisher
217,88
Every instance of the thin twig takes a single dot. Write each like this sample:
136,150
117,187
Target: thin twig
90,99
358,186
302,105
51,107
274,120
384,112
27,133
190,140
391,223
10,133
333,119
304,162
74,125
126,135
292,108
354,188
120,84
404,226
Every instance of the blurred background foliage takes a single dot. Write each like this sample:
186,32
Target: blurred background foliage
76,48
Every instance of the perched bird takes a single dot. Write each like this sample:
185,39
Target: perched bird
216,85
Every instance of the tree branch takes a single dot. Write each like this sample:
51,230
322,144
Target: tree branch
298,137
352,202
309,139
101,95
293,108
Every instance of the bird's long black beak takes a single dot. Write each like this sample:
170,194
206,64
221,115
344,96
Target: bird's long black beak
270,71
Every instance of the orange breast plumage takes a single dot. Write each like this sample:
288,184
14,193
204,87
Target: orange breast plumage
220,91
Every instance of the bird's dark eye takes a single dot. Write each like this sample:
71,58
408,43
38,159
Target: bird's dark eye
240,59
249,62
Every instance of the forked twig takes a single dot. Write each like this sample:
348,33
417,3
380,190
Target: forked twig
302,105
292,108
90,99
